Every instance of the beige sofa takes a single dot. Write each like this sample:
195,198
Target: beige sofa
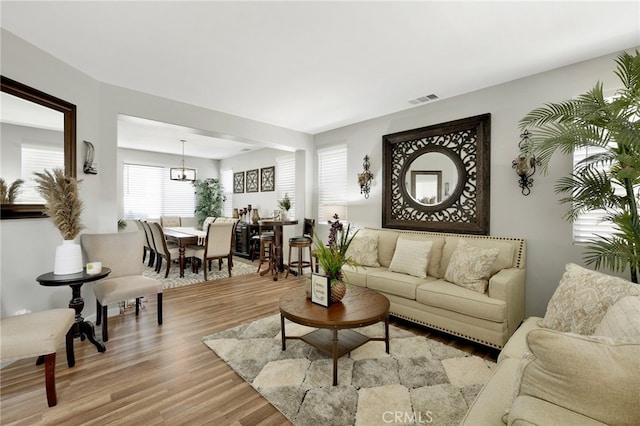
579,365
419,291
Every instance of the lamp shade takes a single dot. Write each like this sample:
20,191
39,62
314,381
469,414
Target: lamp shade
330,210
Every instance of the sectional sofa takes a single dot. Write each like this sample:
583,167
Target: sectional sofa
468,285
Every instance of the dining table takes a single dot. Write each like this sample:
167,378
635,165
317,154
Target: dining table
183,236
278,255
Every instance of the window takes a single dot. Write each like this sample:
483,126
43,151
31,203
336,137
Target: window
332,178
226,181
588,224
149,193
37,159
286,180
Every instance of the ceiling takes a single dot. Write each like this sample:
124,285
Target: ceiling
315,66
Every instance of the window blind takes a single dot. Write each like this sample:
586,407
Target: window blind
332,178
37,159
148,192
226,180
286,180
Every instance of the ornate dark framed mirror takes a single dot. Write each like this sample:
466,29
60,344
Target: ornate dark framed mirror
48,122
437,178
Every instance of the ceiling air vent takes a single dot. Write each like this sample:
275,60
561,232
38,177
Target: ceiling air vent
423,99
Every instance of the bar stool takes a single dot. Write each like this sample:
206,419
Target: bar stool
266,241
302,242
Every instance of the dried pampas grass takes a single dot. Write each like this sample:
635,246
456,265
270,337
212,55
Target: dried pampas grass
62,202
9,194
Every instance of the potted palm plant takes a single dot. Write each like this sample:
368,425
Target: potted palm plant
63,206
607,181
332,258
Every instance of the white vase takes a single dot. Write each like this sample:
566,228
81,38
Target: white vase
68,258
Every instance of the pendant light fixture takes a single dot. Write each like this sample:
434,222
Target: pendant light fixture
182,173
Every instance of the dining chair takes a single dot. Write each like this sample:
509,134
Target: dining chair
301,242
147,247
167,221
218,245
166,250
151,242
122,253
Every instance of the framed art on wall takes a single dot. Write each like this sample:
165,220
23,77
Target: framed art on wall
252,180
238,182
268,179
320,289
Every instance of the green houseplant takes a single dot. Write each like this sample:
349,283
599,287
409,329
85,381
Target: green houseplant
607,181
209,199
285,204
333,257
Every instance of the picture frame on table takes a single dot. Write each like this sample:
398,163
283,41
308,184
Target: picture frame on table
268,179
252,180
238,182
320,289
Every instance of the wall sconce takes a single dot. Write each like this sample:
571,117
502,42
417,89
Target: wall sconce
524,165
364,178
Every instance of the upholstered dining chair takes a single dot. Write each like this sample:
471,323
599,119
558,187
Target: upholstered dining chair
165,249
122,253
166,221
148,247
150,242
218,245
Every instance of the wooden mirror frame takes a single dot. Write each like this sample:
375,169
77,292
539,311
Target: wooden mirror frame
12,87
467,143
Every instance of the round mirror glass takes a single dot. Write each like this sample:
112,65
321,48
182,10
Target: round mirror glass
431,178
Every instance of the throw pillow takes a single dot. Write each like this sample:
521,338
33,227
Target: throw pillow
582,299
411,257
622,319
590,376
364,250
470,266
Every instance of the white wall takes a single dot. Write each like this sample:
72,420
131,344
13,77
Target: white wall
28,245
538,217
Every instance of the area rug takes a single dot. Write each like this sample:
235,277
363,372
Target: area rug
174,280
421,381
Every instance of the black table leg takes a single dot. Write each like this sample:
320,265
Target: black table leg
81,328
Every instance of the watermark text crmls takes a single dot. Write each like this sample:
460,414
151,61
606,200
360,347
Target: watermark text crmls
407,417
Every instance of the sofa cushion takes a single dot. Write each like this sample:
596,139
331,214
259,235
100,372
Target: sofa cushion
470,266
593,376
506,251
527,411
394,283
364,250
622,319
445,295
386,246
411,257
582,299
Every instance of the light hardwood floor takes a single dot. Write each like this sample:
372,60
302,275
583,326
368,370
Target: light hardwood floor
163,375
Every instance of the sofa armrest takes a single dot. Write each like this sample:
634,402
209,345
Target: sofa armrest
508,285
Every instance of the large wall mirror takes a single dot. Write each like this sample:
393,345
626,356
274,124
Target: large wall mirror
38,132
436,178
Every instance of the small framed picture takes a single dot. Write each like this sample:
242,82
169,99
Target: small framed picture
252,180
268,179
238,182
320,289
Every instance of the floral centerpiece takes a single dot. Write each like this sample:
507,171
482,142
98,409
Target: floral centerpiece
63,206
333,257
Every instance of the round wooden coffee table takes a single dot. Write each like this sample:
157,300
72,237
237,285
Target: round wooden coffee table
334,335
